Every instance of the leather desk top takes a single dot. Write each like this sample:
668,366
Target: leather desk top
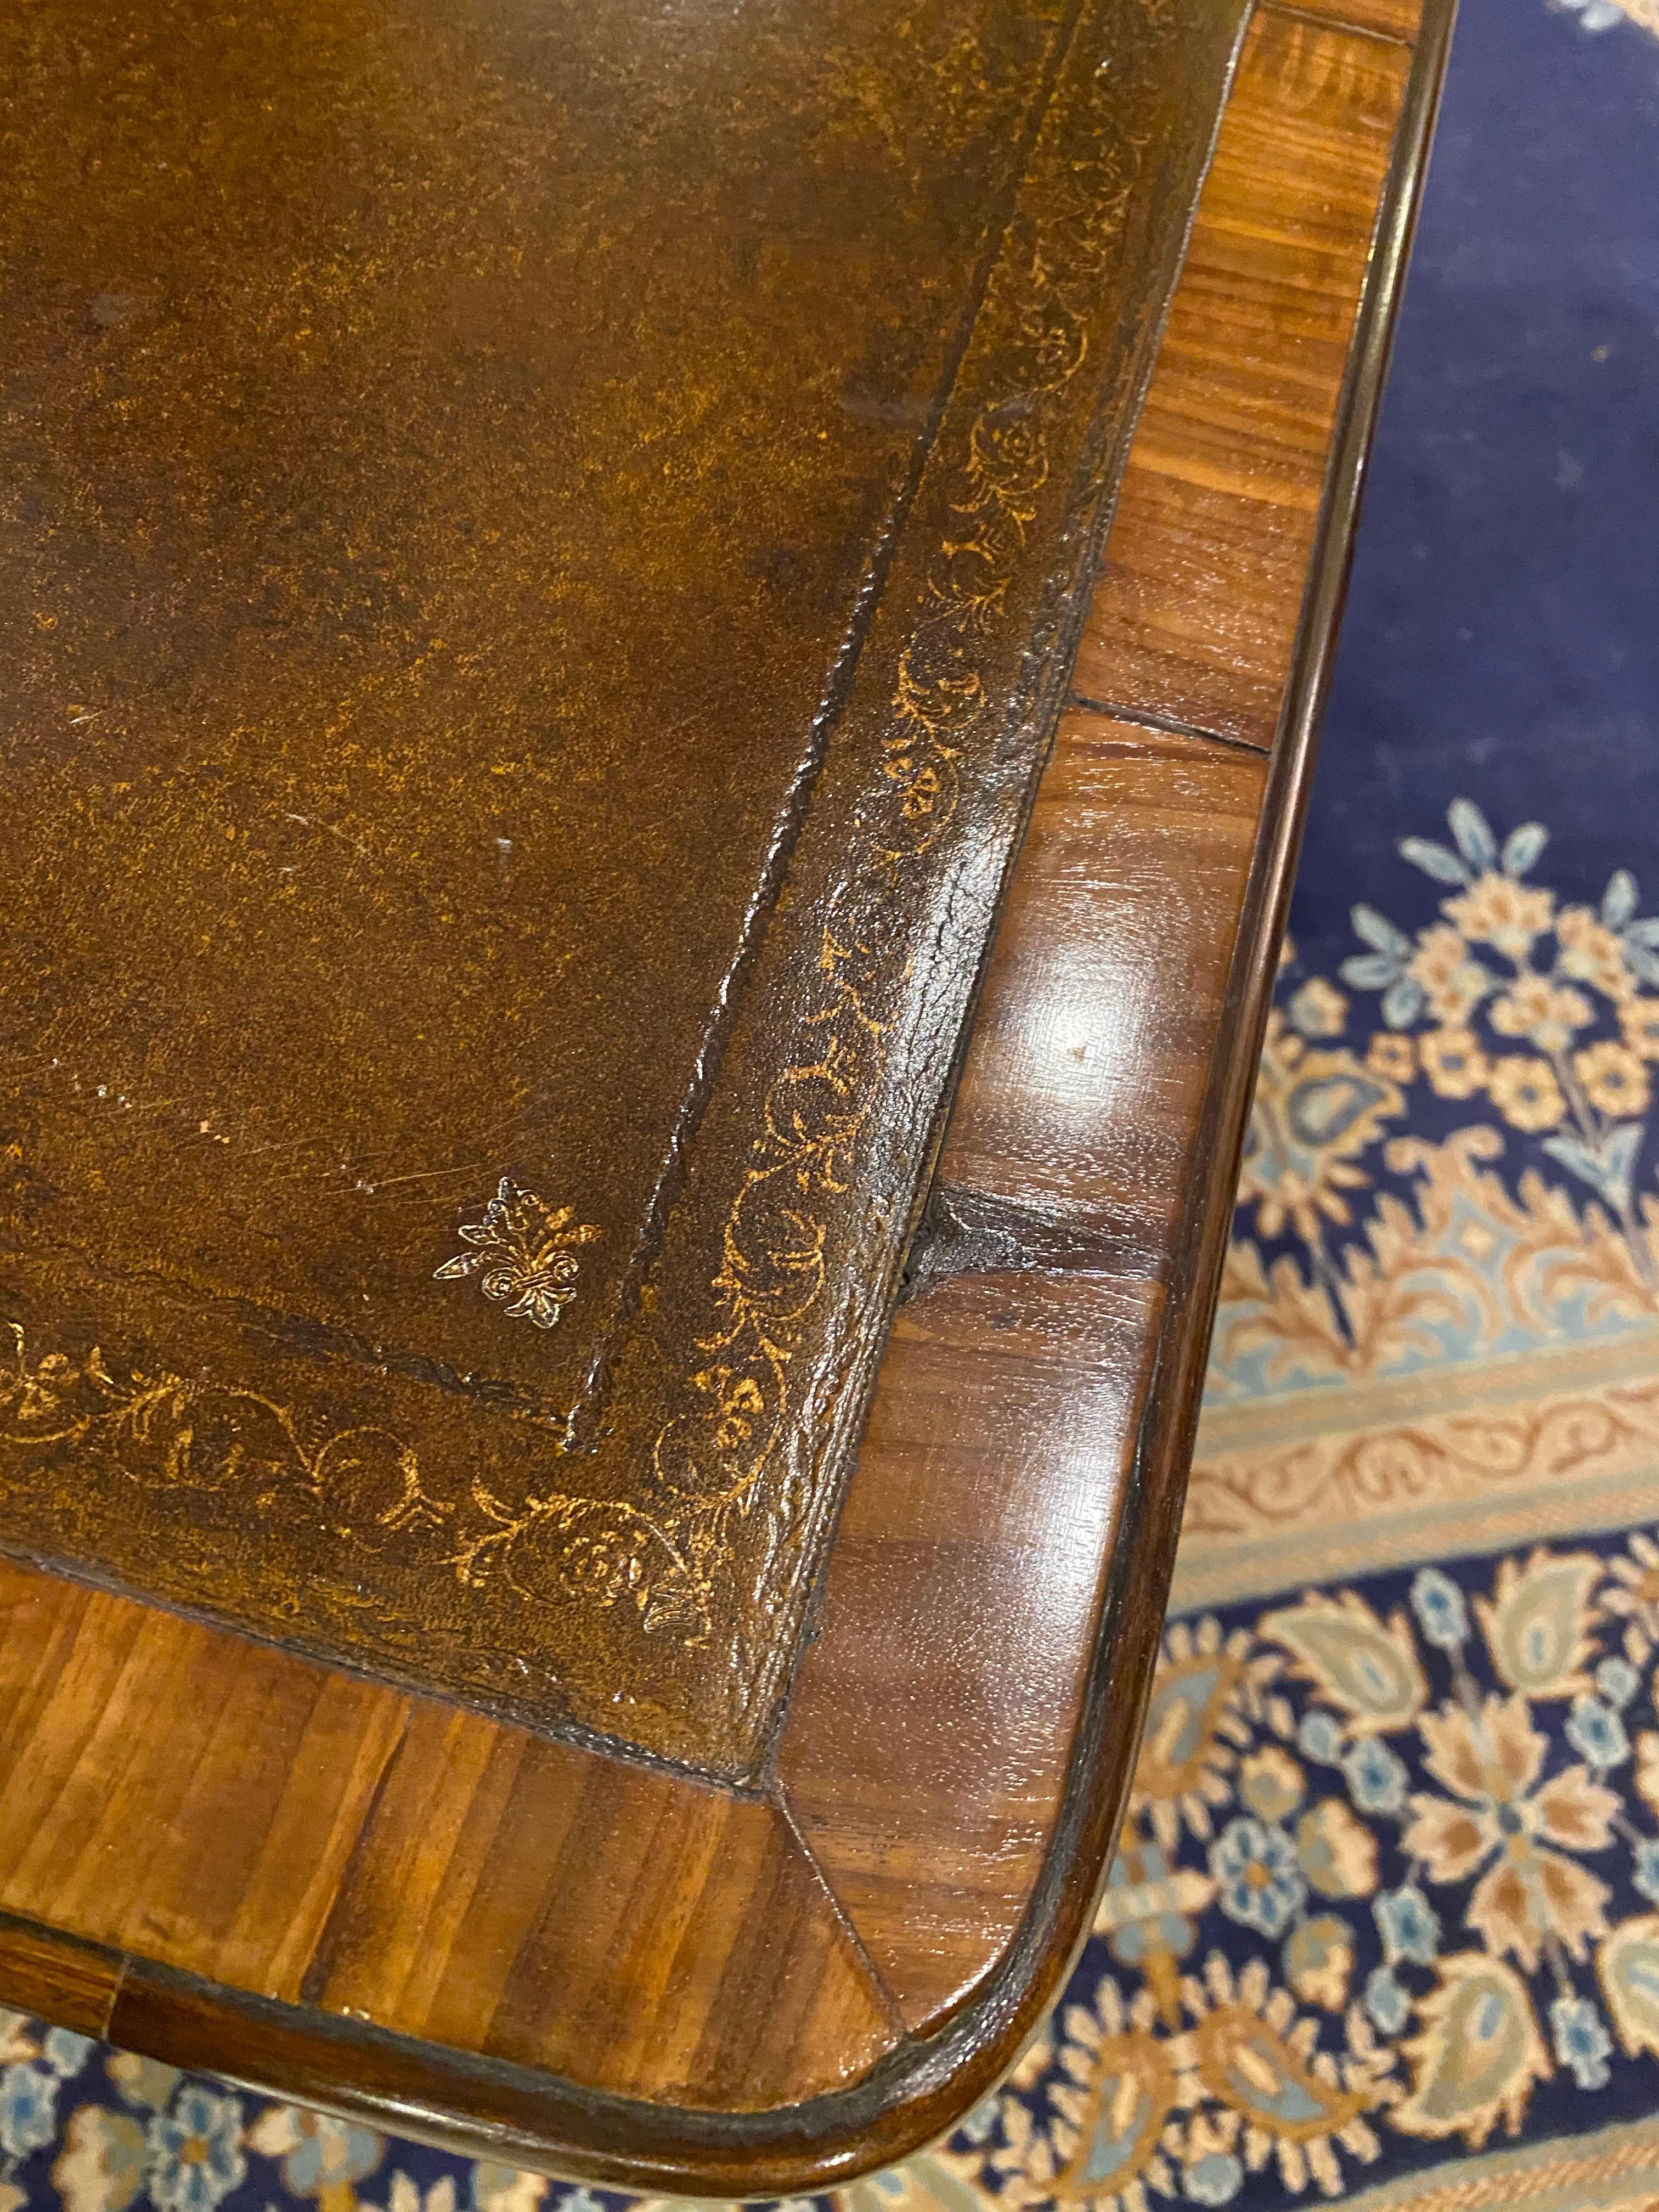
663,664
545,546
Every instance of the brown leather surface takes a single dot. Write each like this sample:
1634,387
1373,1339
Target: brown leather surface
545,549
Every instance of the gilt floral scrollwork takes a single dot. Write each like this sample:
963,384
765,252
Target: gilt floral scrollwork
774,1303
522,1255
762,1395
758,1410
166,1431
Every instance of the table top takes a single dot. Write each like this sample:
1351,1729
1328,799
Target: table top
548,575
624,1647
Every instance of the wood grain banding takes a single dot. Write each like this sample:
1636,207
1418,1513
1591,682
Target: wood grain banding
1195,617
927,1748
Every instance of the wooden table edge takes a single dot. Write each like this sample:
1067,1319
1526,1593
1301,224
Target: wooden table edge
518,2116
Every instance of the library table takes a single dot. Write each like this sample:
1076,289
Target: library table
665,664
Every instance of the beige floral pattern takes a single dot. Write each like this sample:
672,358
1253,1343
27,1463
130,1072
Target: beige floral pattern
1506,991
1495,1815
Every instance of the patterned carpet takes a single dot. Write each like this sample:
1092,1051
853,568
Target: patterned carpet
1384,1924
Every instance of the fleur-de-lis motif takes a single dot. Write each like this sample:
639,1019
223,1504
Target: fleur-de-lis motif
522,1258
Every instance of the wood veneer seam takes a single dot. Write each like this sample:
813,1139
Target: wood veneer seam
1337,23
573,1735
49,1671
130,1753
122,1964
879,1987
314,1979
51,1939
969,1231
1170,725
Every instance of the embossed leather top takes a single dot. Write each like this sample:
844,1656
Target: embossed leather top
544,546
545,542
